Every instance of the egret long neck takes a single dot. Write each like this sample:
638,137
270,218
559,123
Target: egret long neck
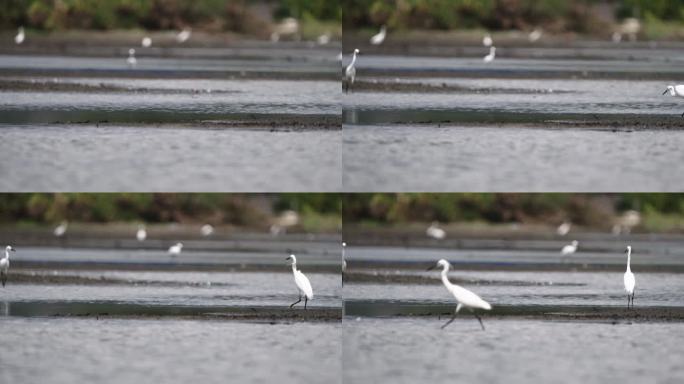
353,59
445,279
6,255
294,267
629,259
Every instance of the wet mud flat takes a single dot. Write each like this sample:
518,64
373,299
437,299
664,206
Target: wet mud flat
386,308
384,277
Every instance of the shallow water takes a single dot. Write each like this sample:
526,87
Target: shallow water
170,351
410,350
510,159
88,158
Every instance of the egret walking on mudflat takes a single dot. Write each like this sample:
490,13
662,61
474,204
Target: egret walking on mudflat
303,284
464,297
4,264
175,249
61,229
350,71
141,235
676,91
379,37
569,249
628,279
490,57
21,35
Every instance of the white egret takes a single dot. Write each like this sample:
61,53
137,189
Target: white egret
132,61
183,35
146,42
487,40
175,249
207,230
20,37
61,229
344,262
323,39
464,297
490,57
676,91
141,235
535,35
629,278
564,228
303,284
5,264
435,232
569,249
350,71
378,38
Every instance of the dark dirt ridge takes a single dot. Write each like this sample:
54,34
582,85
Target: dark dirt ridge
57,86
389,278
404,87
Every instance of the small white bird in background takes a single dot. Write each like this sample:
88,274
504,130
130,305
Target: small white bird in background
303,284
487,40
141,235
175,249
490,57
378,38
61,229
5,264
564,228
464,297
146,42
132,61
20,37
535,35
569,249
207,230
344,262
183,35
323,39
350,71
435,232
628,279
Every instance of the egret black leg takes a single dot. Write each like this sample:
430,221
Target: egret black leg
480,320
632,299
4,279
682,114
306,300
298,301
628,301
449,322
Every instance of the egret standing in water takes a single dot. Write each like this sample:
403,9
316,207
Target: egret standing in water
628,279
4,264
20,37
303,284
61,229
435,231
350,71
132,61
175,249
379,37
146,42
569,249
141,235
490,57
676,91
464,297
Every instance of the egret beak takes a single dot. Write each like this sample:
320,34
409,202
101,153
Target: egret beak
626,250
13,250
665,91
431,268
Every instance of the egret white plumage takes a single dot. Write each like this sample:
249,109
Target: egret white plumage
61,229
207,230
5,264
183,35
569,249
675,91
535,35
146,42
435,232
628,278
487,40
464,297
131,60
350,71
20,37
490,57
141,235
175,249
344,262
302,282
323,39
378,38
564,228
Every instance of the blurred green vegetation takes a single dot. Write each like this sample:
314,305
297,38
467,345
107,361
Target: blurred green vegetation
583,16
659,212
209,15
250,210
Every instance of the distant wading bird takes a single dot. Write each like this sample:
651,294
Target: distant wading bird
569,249
564,228
303,284
20,37
141,235
131,61
487,41
435,232
379,37
4,264
61,229
464,297
183,35
175,249
676,91
628,279
350,71
146,42
490,57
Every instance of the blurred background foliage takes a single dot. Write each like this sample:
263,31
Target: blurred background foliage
659,212
206,15
250,210
581,16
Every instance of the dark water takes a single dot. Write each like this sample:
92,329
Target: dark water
410,350
170,351
121,158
